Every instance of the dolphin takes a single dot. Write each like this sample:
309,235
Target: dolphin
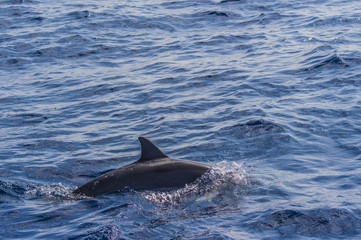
153,171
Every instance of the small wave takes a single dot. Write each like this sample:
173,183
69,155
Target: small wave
228,1
334,20
333,60
217,13
52,144
15,2
6,173
79,14
76,39
7,196
25,118
13,62
106,232
137,22
252,128
319,58
221,177
318,222
14,189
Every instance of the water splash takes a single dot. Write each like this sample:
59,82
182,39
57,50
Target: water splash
220,178
51,192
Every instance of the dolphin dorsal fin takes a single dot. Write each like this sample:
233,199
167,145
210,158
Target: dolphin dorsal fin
149,150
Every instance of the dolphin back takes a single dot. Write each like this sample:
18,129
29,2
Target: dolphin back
153,171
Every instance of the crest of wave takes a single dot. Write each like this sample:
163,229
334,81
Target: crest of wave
221,177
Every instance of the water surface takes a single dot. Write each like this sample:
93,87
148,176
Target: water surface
267,92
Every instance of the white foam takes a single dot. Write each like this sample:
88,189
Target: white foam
221,177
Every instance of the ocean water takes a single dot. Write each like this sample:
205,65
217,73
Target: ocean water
266,92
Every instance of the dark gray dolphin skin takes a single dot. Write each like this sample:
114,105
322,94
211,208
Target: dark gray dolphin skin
153,171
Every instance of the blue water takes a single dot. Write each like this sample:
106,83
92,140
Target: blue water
267,92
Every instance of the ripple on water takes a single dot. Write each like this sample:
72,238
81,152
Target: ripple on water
332,222
274,85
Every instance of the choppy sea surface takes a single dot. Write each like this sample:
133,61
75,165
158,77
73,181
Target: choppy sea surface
267,92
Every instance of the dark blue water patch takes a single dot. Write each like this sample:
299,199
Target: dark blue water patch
332,222
75,49
75,39
37,19
53,144
114,210
6,173
355,60
294,165
138,22
339,182
75,46
217,13
222,39
332,21
49,174
17,48
16,11
343,81
80,14
6,196
60,52
16,2
319,58
49,216
15,188
16,63
253,136
89,169
106,232
217,17
252,129
91,91
268,18
230,1
20,16
24,119
330,61
267,193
